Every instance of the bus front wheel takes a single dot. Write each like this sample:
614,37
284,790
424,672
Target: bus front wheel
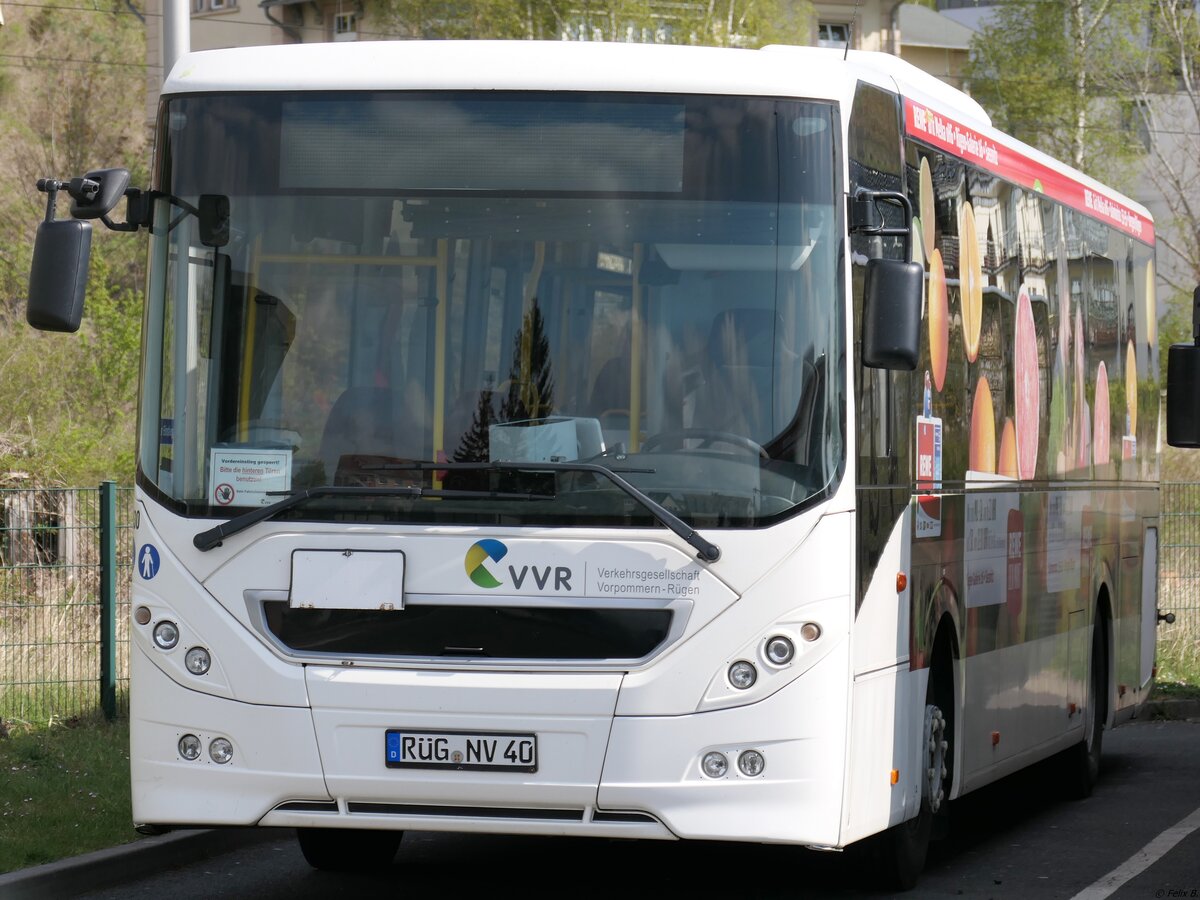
348,849
899,853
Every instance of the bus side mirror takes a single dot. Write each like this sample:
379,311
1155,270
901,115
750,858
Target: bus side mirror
58,277
62,248
1183,395
1183,386
892,288
891,328
96,194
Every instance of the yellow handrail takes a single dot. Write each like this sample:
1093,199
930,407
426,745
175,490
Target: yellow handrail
439,353
248,349
635,355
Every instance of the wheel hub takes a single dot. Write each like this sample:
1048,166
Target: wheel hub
934,783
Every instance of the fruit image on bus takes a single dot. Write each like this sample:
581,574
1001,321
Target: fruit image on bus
621,441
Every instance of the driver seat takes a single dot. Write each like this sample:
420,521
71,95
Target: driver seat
737,394
368,421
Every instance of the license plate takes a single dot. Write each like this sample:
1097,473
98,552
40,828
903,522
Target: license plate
347,579
464,750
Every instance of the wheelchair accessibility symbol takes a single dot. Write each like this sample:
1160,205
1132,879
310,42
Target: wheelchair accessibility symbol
148,561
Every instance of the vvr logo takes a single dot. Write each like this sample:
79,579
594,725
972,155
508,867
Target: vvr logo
480,574
476,571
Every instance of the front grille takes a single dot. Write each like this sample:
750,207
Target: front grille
480,632
469,812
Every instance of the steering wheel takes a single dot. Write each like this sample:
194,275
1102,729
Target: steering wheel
706,436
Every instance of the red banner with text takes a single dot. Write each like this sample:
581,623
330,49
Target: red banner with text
962,141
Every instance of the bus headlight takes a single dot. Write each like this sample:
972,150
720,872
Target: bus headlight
751,763
189,747
742,675
166,635
780,650
220,750
714,764
198,661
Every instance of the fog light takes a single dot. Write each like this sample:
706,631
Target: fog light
220,750
714,764
189,746
166,635
742,675
751,763
780,650
141,615
810,631
197,661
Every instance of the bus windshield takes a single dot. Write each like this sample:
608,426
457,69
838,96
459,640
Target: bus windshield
376,288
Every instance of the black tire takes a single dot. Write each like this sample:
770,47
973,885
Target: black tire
348,849
1081,763
900,852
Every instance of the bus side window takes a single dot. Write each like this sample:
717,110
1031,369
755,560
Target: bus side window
876,163
883,398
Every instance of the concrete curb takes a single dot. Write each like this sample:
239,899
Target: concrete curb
1172,709
105,868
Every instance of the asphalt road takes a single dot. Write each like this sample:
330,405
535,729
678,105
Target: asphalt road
1138,836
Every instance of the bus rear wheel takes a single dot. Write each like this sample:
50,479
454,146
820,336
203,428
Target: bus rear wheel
348,849
1081,763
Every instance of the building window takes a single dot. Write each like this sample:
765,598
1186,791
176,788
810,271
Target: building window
345,27
1135,119
199,7
833,34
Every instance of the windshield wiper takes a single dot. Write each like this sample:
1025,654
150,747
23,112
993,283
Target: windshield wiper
206,540
705,550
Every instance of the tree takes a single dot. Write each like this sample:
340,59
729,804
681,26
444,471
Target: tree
1054,75
67,402
1166,91
736,23
1110,85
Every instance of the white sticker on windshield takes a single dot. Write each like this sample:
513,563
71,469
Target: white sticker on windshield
245,476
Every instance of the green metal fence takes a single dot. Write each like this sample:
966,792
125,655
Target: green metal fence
1179,583
66,555
64,614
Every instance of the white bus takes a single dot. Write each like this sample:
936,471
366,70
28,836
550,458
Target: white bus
614,440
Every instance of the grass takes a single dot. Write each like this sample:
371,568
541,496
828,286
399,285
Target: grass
1175,690
1178,657
1178,654
64,790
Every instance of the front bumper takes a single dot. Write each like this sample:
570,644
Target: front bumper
598,774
